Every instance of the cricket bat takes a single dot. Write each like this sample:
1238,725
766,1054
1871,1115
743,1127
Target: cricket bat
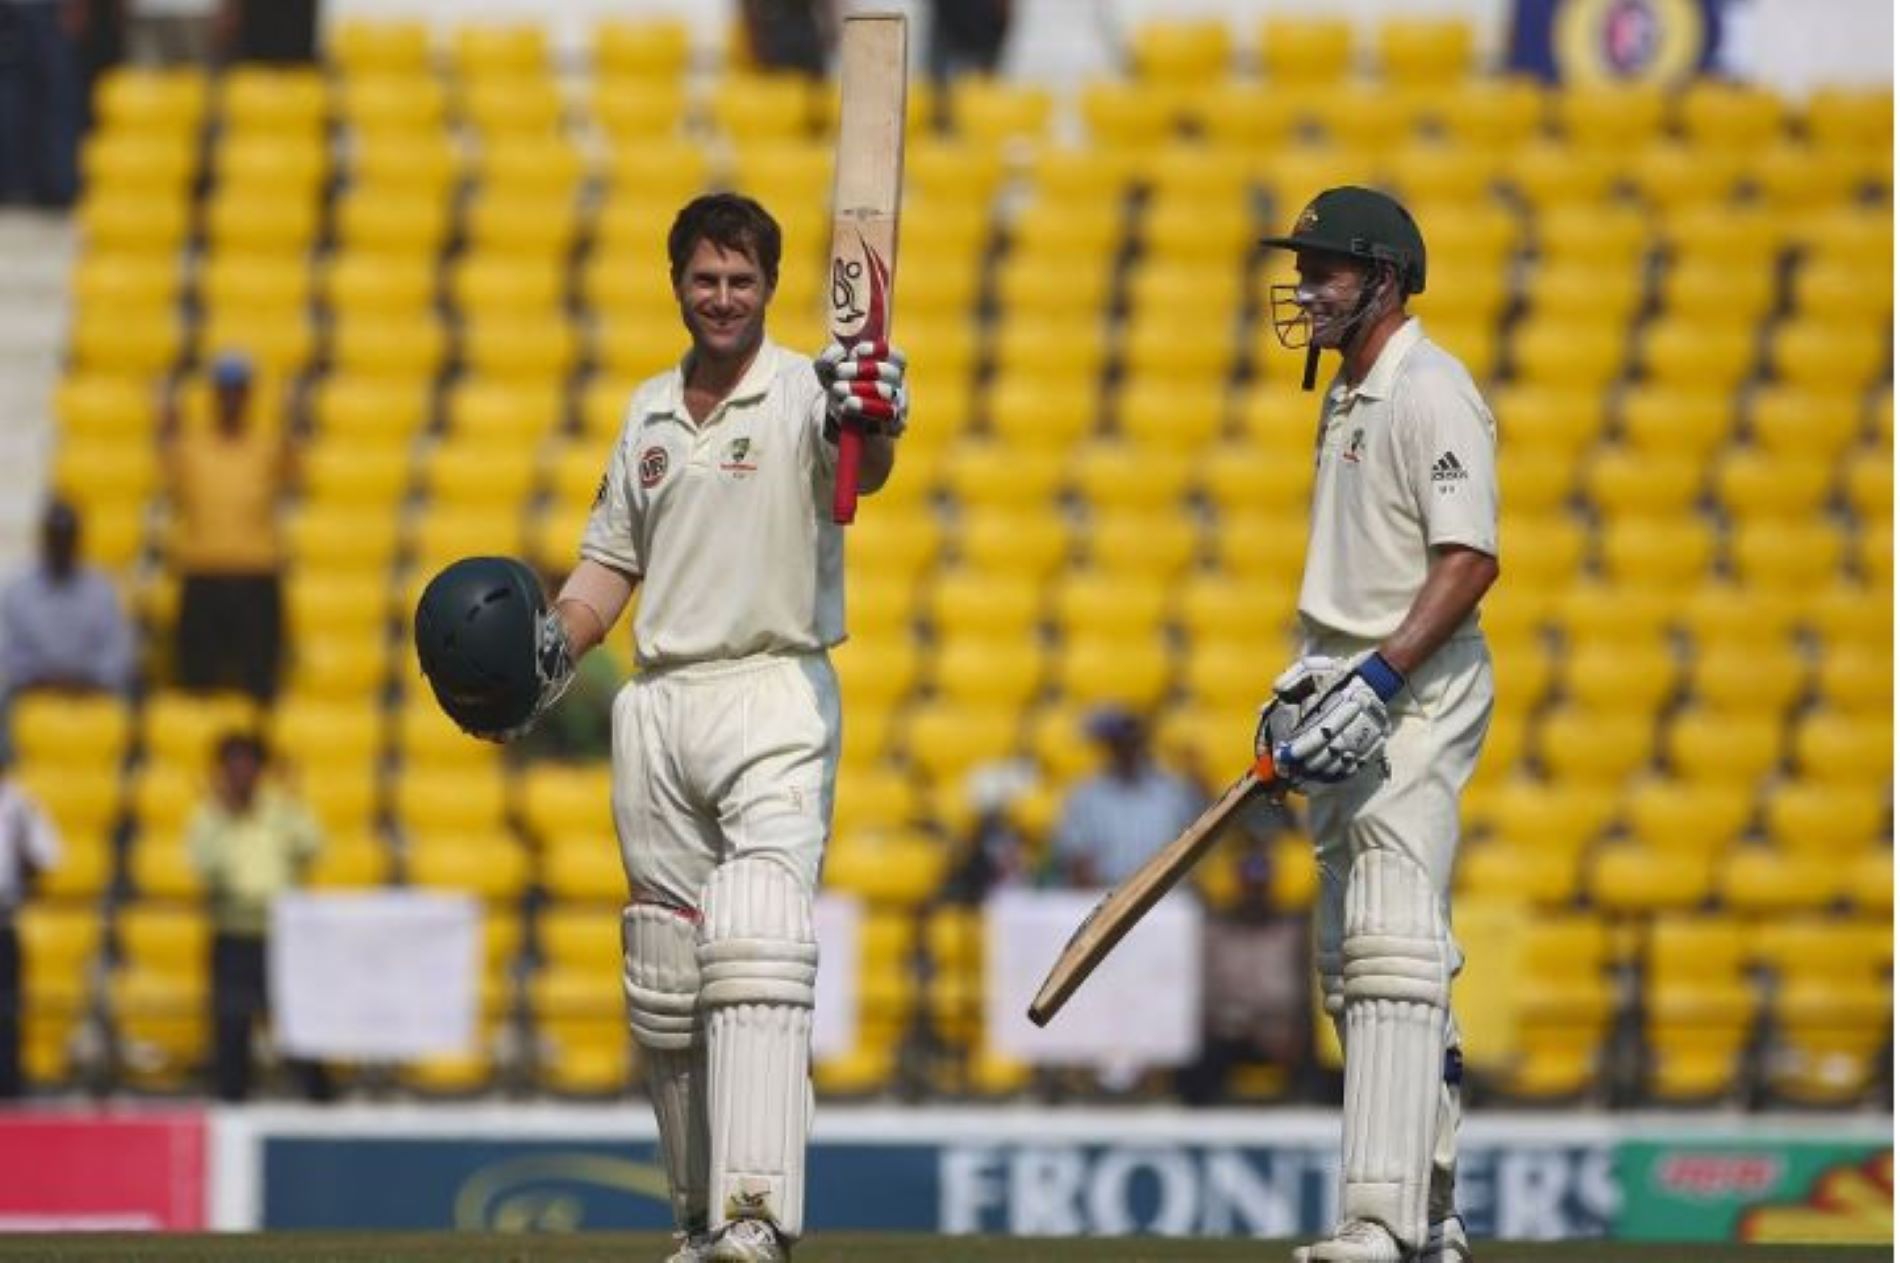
867,185
1110,920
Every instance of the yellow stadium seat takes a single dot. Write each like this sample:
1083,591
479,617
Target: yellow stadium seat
279,343
1717,292
1038,412
160,1022
992,111
1563,1020
1563,819
529,225
1790,554
320,731
1611,237
1803,422
1129,115
139,101
1156,547
1829,1037
1550,174
1219,173
1627,879
1668,173
127,343
1568,356
1622,482
1223,606
1719,115
344,469
120,281
635,110
1870,882
1714,748
944,741
1240,475
1182,52
1594,748
339,665
760,105
352,604
905,546
1619,676
527,169
899,869
182,728
1690,352
1850,118
1807,351
446,533
523,106
491,866
470,470
641,49
1093,602
963,600
1754,484
349,861
1854,680
1574,291
386,111
69,731
1831,290
1699,1006
1114,474
1836,747
1156,359
1540,482
282,102
589,872
358,45
161,868
1068,235
1262,548
1497,113
1796,178
373,411
159,166
1762,881
992,673
1305,52
440,800
1420,51
1612,117
1732,613
1667,552
264,221
388,347
487,413
1741,678
512,50
1124,669
133,224
254,283
1742,237
1682,816
516,348
984,472
380,281
1676,420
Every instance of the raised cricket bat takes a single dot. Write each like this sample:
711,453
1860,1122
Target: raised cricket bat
1111,919
867,185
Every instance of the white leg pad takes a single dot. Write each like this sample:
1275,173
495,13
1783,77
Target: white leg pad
758,959
662,981
1398,961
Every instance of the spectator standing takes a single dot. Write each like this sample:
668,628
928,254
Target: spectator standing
967,36
225,485
42,100
1113,821
250,841
29,845
61,623
281,32
794,35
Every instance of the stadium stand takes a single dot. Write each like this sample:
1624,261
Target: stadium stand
449,260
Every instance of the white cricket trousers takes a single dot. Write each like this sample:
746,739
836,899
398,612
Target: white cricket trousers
715,760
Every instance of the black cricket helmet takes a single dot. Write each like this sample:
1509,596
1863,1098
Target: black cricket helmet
475,638
1361,223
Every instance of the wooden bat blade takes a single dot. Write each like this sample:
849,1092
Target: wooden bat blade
1121,908
867,186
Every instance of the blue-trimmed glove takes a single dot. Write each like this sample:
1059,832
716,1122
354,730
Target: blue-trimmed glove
1344,728
864,388
1296,686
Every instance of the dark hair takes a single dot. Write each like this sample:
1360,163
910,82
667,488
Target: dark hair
241,742
730,221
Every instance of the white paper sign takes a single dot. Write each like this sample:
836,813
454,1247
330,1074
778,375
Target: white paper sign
834,1022
1141,1007
376,975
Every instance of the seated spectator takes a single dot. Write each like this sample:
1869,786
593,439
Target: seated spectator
250,841
29,845
225,484
61,623
996,855
1114,820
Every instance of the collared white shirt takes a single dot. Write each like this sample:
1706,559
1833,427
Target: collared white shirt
27,840
728,523
1407,462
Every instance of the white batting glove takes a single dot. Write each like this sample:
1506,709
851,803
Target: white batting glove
864,388
1295,688
1345,728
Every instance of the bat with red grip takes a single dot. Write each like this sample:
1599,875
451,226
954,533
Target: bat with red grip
867,188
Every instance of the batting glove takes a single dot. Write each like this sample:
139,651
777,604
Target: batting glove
1295,688
1344,729
864,388
553,667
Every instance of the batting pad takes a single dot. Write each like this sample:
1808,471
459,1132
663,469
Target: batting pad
1398,993
661,971
758,959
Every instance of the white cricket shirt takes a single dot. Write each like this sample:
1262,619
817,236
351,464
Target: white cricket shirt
1406,462
727,523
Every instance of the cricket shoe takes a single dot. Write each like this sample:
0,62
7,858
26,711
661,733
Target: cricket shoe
1361,1241
691,1247
748,1241
1446,1243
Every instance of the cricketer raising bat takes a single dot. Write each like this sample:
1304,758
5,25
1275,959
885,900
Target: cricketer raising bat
1111,919
867,185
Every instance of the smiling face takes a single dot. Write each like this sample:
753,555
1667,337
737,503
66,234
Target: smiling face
722,296
1329,293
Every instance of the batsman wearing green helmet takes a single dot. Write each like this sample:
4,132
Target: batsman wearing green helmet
1380,720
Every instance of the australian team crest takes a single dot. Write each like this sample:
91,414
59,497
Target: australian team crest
742,457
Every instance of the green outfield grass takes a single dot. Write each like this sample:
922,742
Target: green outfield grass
335,1247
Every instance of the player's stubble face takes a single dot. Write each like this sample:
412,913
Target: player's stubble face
723,296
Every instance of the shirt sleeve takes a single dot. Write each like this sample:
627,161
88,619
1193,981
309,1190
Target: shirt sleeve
1452,465
201,844
114,666
43,846
612,536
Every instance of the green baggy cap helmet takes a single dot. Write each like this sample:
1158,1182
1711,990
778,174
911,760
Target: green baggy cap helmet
1361,223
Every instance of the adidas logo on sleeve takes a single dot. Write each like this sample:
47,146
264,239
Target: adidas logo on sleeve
1448,469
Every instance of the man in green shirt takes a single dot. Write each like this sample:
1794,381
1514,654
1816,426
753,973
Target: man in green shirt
250,841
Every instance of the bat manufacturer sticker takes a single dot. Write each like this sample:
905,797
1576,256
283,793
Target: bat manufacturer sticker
860,290
652,467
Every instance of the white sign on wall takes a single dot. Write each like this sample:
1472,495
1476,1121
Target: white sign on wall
1142,1007
834,1022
